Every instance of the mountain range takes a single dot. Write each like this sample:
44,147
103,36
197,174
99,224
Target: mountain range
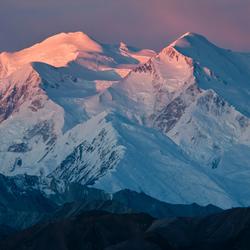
174,125
97,230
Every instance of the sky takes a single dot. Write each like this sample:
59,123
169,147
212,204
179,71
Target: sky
141,23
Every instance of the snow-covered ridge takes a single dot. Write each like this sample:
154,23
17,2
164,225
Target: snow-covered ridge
63,48
154,84
57,51
169,87
118,117
225,71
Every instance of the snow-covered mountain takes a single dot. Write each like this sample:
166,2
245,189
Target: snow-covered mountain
61,49
174,125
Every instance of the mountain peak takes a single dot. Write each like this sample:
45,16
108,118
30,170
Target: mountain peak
123,46
191,34
190,45
77,40
71,34
57,50
189,39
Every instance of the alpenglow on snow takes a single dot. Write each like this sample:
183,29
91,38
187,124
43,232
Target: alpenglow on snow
173,124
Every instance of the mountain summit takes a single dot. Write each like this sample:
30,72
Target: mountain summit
190,39
57,51
61,49
174,125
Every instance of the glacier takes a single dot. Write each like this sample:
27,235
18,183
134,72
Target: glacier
173,124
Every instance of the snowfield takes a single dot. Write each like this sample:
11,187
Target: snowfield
174,125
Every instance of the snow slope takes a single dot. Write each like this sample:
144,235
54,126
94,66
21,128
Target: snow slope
64,48
176,126
168,93
222,70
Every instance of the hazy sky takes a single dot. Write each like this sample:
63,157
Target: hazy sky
143,23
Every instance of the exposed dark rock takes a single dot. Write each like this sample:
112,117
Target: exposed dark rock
77,166
44,129
19,148
15,95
